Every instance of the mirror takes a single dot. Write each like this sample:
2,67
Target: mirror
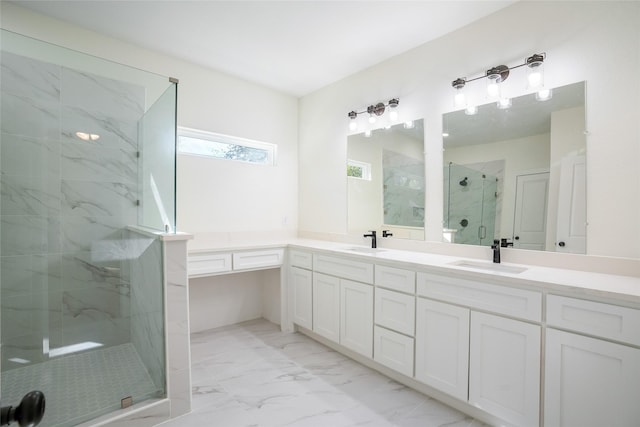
518,174
386,181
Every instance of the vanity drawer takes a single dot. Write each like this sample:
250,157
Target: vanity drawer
396,279
345,268
393,350
257,259
514,302
594,318
300,259
208,264
395,311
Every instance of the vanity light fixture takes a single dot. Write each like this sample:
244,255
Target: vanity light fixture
353,124
496,76
375,111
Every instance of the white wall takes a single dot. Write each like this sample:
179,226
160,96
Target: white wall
213,196
596,42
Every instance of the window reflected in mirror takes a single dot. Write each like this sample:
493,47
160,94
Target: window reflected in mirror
386,181
518,175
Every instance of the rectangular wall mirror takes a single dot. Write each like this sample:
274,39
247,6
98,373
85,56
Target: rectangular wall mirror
518,173
386,181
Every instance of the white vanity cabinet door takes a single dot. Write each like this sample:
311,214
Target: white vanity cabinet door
395,278
594,318
326,306
395,311
200,265
356,317
442,347
262,258
301,284
393,350
342,267
590,382
504,368
300,259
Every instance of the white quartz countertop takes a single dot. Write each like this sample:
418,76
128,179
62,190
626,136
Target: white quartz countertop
613,286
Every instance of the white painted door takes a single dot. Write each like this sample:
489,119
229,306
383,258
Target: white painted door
442,347
504,368
572,206
326,306
590,382
530,221
356,317
300,281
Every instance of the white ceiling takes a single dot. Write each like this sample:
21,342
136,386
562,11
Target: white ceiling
293,46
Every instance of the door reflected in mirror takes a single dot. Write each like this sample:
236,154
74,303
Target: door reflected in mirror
386,181
518,175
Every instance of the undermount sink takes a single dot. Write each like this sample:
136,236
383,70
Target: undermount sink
365,250
489,266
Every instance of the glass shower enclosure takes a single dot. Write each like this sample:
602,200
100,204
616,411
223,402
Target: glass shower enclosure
470,204
87,169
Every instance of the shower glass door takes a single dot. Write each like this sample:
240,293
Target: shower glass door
82,299
470,204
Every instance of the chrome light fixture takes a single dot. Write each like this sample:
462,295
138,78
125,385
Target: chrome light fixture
496,76
375,111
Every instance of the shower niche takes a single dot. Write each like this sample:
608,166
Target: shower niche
87,156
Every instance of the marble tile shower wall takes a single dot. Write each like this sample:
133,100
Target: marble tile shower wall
64,204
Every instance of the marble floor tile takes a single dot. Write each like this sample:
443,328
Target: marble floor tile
251,374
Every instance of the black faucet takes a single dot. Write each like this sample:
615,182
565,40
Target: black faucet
505,243
386,233
374,242
496,251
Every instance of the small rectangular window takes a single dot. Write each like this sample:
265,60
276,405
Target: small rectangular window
209,144
361,170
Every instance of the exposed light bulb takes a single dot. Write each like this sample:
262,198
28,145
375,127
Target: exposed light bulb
504,103
544,94
87,136
535,78
493,89
471,110
460,99
353,125
393,115
372,119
